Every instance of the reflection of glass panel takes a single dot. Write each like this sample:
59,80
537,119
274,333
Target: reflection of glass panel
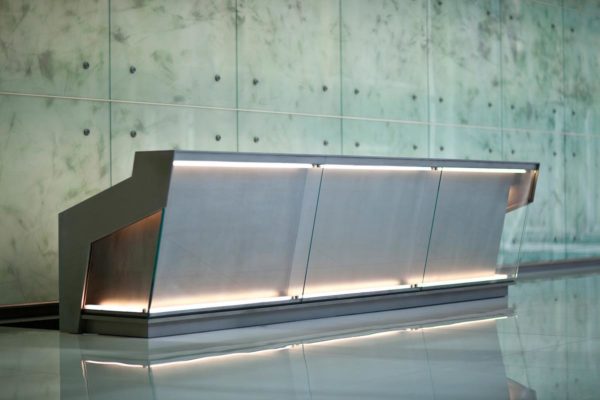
54,47
465,62
532,59
384,59
121,266
183,51
47,164
544,233
465,143
229,235
582,184
288,55
165,128
389,139
280,133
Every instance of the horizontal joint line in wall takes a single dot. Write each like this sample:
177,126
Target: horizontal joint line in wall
299,114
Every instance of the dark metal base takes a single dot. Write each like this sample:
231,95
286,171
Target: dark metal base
218,320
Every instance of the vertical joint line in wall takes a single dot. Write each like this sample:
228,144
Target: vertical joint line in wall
312,233
428,60
341,79
110,94
563,129
501,33
237,83
437,195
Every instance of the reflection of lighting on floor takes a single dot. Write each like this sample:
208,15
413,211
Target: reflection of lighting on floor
353,338
114,364
325,342
375,167
237,164
192,361
115,308
490,278
231,303
461,323
342,290
486,170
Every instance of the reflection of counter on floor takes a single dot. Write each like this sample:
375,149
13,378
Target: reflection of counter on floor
199,241
405,359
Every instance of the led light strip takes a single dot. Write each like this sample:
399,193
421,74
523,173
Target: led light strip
236,164
486,170
355,291
189,307
116,308
375,167
496,277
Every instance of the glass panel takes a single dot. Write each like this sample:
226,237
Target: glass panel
54,47
466,143
514,224
47,164
532,65
582,87
137,127
582,184
283,133
389,139
181,52
289,55
465,62
545,231
384,59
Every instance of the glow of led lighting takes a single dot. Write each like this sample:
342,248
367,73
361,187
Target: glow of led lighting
479,321
114,363
375,167
362,290
114,307
486,170
237,164
230,303
192,361
354,338
467,280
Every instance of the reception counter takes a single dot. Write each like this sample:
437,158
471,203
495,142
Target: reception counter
197,241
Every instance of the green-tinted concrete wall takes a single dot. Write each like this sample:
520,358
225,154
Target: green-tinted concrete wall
85,83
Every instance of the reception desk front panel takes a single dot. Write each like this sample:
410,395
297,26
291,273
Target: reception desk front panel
240,234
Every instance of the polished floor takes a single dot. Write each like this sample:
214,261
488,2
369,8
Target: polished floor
545,345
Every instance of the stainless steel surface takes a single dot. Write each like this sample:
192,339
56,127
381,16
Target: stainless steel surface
121,265
371,229
467,226
229,234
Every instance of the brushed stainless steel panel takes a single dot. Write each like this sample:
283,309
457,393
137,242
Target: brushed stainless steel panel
122,263
232,234
371,229
467,227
